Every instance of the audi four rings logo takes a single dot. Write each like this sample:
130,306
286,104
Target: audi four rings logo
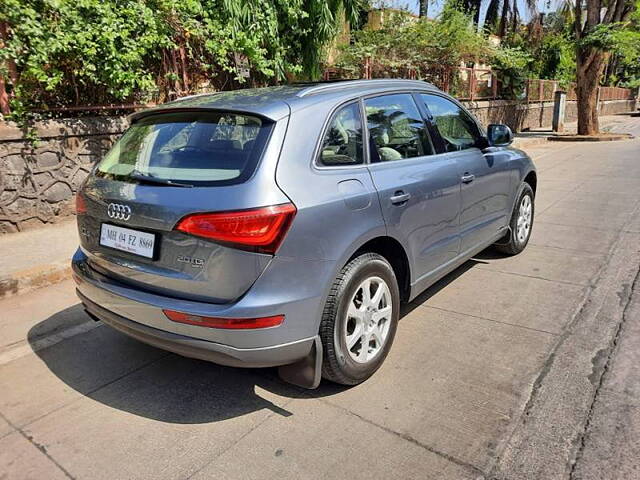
117,211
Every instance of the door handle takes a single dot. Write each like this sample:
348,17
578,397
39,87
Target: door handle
467,178
400,197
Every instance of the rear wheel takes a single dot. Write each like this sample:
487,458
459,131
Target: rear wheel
521,224
359,319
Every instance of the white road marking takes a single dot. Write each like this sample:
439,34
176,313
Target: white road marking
25,348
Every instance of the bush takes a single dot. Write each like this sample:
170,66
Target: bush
512,65
424,46
79,52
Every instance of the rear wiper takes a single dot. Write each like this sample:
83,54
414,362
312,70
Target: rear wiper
141,177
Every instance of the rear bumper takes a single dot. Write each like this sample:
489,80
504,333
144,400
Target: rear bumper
201,349
138,313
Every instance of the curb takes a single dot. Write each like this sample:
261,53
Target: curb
24,281
523,142
591,138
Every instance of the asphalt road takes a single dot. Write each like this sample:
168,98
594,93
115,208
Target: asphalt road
521,367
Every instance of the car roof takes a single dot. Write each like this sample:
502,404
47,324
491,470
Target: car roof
278,102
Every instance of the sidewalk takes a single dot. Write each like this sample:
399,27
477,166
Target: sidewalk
621,123
36,258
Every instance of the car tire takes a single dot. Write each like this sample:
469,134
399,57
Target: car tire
521,223
357,329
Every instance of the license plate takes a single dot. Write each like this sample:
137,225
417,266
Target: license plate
128,240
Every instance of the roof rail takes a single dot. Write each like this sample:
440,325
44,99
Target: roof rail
378,82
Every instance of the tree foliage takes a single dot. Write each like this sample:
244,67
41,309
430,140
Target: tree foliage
595,37
406,43
540,50
513,65
503,16
64,52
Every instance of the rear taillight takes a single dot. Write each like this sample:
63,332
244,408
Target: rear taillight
260,229
81,206
229,323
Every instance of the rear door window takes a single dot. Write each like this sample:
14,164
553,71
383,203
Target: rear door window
192,148
396,128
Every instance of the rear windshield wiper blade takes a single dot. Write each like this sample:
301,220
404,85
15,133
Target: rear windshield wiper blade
155,180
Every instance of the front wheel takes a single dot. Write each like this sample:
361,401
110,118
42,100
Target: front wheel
359,320
521,224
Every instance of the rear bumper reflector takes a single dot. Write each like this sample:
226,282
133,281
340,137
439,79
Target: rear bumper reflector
227,323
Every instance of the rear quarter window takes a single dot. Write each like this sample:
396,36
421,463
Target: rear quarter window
201,148
342,144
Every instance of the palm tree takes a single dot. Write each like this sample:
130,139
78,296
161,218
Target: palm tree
503,14
424,8
320,27
314,32
472,7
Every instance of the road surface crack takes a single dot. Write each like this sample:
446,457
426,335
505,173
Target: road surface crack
601,364
39,446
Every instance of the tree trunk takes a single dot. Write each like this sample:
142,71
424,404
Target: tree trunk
424,8
4,99
476,14
502,29
11,68
590,64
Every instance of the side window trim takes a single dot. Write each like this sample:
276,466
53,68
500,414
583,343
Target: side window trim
432,131
365,132
317,158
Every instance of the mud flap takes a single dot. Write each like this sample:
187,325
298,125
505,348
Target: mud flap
504,240
307,372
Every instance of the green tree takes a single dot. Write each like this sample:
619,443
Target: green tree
513,65
75,52
598,24
424,46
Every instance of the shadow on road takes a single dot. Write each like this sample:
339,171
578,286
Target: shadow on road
488,254
122,373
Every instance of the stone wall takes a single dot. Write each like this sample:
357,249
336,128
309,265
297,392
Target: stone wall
38,181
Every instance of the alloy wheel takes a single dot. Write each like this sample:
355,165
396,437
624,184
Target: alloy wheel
366,328
524,219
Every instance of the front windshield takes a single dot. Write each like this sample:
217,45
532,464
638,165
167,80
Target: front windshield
202,147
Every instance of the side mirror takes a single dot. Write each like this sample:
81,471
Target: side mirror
499,135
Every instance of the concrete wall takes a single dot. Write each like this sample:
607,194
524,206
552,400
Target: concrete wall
38,183
536,115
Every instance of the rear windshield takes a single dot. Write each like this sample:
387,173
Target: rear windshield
194,148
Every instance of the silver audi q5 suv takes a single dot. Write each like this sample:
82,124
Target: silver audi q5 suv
284,226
